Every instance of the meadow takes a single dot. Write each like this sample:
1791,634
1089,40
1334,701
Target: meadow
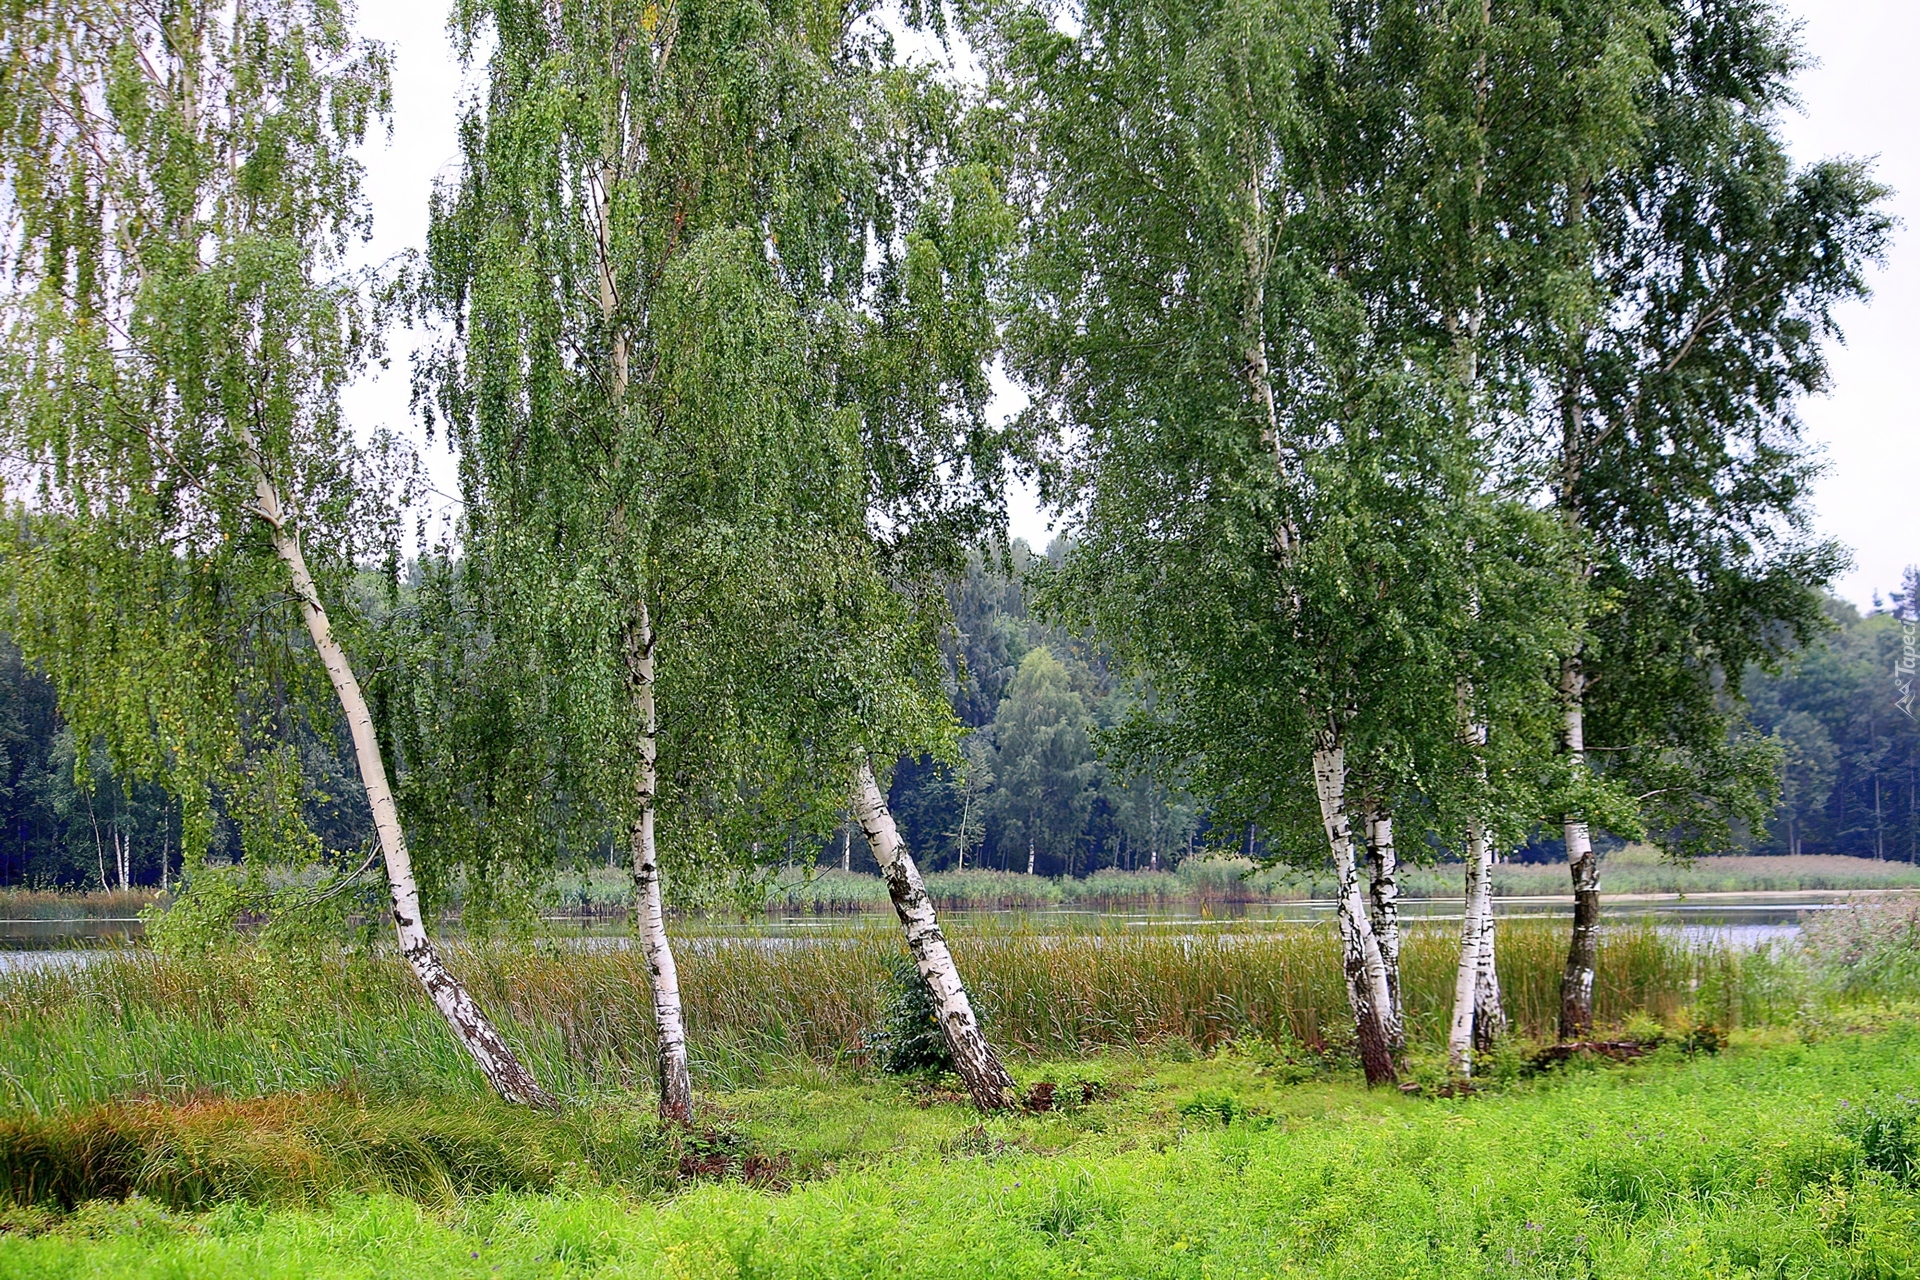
1786,1154
1192,1109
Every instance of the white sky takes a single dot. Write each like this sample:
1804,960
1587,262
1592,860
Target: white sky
1862,99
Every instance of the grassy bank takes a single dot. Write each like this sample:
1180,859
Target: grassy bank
604,892
64,904
248,1023
1775,1158
1232,880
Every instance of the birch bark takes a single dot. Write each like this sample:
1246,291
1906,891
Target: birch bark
987,1080
1489,1010
675,1079
1460,1030
1360,950
490,1051
1583,952
1383,909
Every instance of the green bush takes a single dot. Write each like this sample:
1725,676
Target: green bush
909,1041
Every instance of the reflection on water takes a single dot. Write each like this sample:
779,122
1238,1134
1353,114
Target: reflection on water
1734,919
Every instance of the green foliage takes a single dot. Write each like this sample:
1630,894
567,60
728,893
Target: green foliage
1716,267
178,310
1279,413
1044,762
1888,1132
1846,748
677,403
909,1041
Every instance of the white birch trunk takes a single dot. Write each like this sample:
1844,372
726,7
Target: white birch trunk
490,1051
987,1080
675,1078
1383,902
1489,1010
1360,950
1460,1037
1583,949
1029,857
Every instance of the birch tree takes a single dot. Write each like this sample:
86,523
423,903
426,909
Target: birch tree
1282,469
1672,440
700,262
179,192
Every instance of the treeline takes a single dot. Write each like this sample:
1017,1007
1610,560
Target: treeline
1418,381
1842,715
1030,787
1849,762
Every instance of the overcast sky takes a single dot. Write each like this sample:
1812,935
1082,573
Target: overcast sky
1863,99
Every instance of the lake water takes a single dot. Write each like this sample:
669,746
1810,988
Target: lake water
1736,919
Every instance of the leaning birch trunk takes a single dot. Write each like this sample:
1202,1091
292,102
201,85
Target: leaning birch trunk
663,976
1583,950
1383,908
987,1080
1360,951
1460,1031
490,1051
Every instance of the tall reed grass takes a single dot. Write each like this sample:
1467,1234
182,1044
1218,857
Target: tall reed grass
1223,880
250,1023
63,904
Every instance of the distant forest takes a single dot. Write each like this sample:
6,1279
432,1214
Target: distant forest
1031,785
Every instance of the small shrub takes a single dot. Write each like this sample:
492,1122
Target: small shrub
1210,1106
909,1042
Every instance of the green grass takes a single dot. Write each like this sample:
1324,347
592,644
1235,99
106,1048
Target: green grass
1778,1158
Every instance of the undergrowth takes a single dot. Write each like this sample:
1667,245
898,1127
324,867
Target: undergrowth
1778,1157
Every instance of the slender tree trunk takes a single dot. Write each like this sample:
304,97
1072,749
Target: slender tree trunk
1029,855
1360,950
1460,1031
1583,952
1489,1012
846,849
1383,910
987,1080
490,1051
669,1024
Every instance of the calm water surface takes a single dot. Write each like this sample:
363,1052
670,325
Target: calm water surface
1744,920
